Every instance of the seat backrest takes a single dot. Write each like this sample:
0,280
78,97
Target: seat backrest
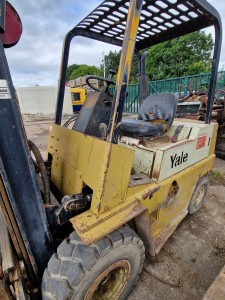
159,106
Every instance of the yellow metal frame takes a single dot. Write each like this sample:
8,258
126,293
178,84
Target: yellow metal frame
126,58
79,160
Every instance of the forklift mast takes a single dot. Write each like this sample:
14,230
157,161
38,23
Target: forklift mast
2,16
20,198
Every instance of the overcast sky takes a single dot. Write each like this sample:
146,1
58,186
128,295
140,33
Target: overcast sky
35,60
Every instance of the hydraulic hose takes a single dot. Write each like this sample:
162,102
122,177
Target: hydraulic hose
43,171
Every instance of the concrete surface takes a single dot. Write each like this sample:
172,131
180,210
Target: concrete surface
191,258
37,132
41,100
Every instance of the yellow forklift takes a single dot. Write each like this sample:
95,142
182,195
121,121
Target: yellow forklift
78,97
79,224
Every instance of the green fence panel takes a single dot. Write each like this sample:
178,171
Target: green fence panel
132,100
177,85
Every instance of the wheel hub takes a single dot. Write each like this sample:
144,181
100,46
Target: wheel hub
110,283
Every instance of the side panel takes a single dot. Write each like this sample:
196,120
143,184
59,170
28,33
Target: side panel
174,158
80,159
143,160
153,198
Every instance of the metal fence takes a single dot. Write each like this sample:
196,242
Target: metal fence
132,100
178,85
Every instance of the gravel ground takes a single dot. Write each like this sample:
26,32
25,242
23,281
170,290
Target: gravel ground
191,258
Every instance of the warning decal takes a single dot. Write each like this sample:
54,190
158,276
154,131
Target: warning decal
4,90
201,141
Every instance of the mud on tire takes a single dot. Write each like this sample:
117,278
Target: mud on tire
107,269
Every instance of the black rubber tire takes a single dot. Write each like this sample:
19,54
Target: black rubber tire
72,271
202,183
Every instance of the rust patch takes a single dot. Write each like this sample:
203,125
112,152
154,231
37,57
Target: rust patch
98,207
150,192
171,195
142,224
156,174
91,232
160,239
113,274
173,190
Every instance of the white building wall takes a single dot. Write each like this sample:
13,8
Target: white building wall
41,100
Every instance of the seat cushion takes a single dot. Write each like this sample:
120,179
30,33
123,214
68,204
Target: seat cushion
140,128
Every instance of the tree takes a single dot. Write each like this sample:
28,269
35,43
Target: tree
83,70
187,55
70,70
112,61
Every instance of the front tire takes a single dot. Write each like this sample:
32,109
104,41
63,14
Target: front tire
108,269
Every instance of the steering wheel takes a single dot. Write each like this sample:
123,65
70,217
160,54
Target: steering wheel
108,80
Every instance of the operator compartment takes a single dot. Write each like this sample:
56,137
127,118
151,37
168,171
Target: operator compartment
170,147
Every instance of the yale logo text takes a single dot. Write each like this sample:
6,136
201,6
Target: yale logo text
177,160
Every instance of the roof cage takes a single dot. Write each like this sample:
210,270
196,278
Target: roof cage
160,20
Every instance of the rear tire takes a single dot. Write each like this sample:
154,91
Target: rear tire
108,269
199,194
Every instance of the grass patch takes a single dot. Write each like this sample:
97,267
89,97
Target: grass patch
216,178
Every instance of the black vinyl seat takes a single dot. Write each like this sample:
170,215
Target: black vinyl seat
155,116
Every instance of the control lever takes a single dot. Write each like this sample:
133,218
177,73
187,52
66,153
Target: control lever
111,74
